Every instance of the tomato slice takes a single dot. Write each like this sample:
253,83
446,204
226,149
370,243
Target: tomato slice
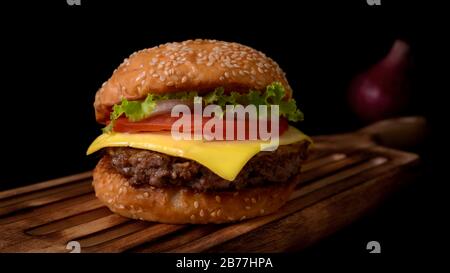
154,124
164,123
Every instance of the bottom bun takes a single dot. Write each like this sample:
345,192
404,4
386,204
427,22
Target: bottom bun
182,205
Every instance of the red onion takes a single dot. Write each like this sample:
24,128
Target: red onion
382,91
165,106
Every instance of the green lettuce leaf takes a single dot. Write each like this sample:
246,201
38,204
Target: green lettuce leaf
273,95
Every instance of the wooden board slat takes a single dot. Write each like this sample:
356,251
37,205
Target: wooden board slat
46,185
344,177
42,197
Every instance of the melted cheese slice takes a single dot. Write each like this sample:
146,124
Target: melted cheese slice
224,158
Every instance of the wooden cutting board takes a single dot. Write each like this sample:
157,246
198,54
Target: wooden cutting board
345,176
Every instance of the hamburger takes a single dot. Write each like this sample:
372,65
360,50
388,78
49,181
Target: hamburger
144,173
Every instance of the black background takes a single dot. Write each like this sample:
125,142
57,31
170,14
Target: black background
56,56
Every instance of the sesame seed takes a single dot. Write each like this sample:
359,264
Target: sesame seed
218,199
243,218
261,211
184,79
253,200
219,212
170,84
202,213
162,78
192,217
221,78
146,194
226,74
195,204
248,207
213,214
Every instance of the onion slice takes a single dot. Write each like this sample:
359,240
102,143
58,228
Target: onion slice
165,106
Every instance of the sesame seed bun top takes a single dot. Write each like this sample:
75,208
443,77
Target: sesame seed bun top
193,65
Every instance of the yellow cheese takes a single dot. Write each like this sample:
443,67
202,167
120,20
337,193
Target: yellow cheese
224,158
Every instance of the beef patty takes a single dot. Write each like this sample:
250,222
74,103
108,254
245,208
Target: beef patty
147,168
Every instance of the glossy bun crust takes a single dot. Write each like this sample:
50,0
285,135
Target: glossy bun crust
179,205
194,65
